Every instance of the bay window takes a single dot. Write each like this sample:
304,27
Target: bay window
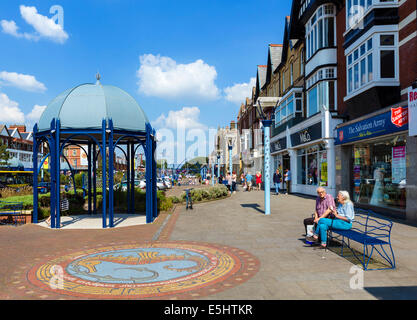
356,10
288,107
321,91
379,49
320,30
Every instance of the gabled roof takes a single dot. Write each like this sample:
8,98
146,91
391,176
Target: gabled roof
274,60
26,135
4,131
288,43
260,79
275,54
16,134
297,30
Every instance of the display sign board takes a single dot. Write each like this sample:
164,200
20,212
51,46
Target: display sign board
279,145
398,165
412,105
306,135
395,120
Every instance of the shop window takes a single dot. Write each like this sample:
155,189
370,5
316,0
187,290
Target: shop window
379,173
312,164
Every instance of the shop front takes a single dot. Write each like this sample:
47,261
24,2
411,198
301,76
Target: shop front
281,158
374,152
311,153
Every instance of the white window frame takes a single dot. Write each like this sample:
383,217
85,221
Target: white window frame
360,8
290,96
312,40
323,75
374,34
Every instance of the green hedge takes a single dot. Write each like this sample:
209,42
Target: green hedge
198,195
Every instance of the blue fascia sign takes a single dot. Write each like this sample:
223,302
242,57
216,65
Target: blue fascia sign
393,121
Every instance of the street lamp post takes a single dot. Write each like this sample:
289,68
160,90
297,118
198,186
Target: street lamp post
212,173
230,156
218,165
267,157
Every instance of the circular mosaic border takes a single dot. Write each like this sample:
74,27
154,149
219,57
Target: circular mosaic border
227,268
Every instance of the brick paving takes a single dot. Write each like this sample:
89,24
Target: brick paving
288,269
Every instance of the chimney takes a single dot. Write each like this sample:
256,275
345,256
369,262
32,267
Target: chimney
21,128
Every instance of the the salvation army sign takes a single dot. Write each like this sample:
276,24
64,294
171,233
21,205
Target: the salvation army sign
399,116
412,109
392,121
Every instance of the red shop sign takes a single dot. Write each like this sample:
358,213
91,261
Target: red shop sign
399,116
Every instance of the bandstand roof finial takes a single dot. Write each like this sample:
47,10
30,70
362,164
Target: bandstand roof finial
98,76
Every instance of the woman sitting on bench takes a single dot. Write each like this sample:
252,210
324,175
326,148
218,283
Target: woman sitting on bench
344,216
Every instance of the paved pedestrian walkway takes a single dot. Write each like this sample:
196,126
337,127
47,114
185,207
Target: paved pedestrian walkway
288,268
267,254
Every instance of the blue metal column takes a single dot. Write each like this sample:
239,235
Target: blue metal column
132,177
104,173
94,178
218,168
154,166
111,177
52,151
89,158
128,177
149,190
267,159
58,178
230,160
212,174
35,175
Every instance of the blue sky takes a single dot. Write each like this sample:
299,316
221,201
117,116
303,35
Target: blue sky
199,47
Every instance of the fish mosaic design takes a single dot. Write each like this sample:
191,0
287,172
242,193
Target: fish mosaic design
135,263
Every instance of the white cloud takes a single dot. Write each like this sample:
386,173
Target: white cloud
10,27
45,27
186,118
163,77
21,81
10,112
240,91
36,113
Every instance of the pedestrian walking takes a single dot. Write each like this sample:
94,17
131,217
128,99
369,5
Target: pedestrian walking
277,180
249,181
229,182
287,179
234,180
258,180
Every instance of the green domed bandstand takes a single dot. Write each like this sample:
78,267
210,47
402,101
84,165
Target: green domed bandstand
103,118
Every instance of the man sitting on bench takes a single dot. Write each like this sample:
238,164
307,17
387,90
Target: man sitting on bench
324,205
344,216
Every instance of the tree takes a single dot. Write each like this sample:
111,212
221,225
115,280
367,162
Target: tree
4,155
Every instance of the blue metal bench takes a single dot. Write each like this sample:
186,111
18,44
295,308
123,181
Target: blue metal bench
13,211
372,231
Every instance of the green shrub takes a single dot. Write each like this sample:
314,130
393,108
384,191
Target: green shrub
175,199
78,180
